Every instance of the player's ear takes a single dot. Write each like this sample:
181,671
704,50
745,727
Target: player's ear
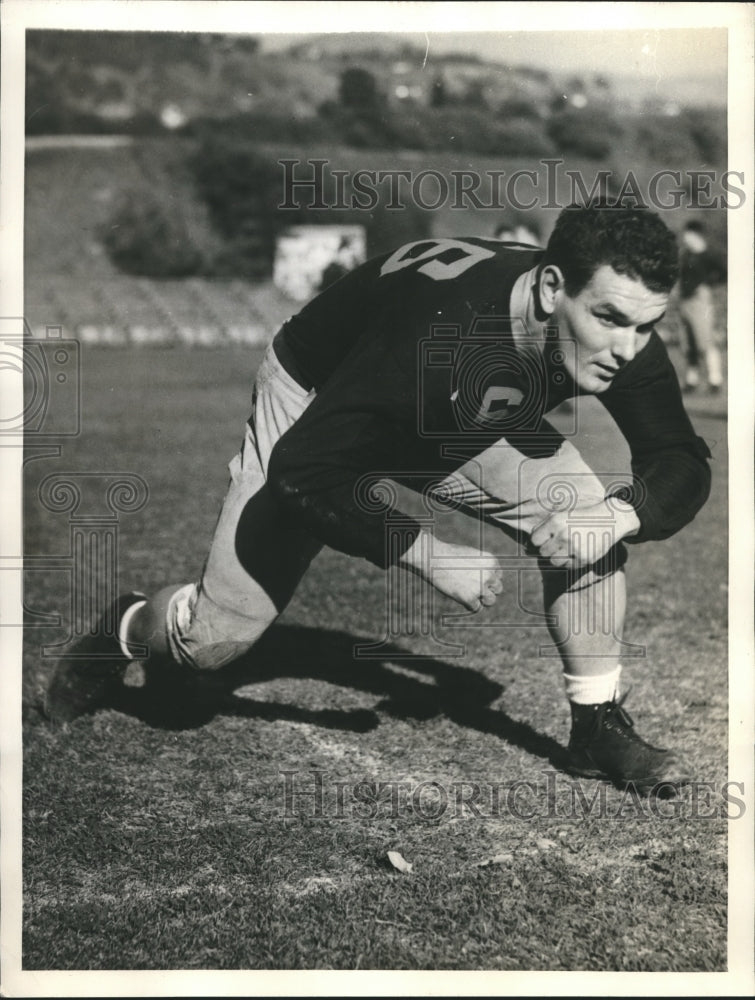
550,281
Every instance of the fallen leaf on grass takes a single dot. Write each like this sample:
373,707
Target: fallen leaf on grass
498,859
546,845
398,862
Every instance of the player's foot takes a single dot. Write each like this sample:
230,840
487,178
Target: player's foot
714,388
603,744
87,676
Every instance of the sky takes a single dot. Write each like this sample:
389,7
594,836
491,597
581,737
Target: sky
645,53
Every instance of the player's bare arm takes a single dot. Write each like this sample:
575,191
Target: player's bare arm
471,577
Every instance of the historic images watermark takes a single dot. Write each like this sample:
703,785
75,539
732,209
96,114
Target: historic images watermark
316,794
315,184
50,369
48,414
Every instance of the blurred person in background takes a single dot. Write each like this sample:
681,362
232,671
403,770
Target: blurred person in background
519,232
700,270
346,259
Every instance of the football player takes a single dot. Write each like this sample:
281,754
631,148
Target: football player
700,270
438,362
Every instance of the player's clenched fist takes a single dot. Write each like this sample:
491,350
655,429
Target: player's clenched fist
574,544
557,541
469,576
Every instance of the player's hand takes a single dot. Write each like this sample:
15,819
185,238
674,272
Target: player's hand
571,543
467,575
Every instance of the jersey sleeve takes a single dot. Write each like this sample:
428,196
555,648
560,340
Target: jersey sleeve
669,461
352,434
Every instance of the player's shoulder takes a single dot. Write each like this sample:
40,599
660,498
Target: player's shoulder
652,364
437,275
448,260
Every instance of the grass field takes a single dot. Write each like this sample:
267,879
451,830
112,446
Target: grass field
159,836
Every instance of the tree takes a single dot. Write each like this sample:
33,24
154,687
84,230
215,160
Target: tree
358,89
439,92
588,133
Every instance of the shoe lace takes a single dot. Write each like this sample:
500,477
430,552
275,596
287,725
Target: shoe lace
614,710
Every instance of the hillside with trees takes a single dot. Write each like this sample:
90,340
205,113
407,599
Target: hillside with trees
208,118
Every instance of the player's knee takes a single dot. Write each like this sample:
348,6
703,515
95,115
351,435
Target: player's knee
201,648
207,637
598,573
211,656
282,479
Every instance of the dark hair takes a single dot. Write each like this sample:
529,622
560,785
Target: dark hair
693,226
633,241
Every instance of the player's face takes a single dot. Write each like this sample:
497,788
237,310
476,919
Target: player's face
608,322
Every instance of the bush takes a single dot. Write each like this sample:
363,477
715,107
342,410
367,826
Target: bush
525,137
242,189
358,89
692,139
707,129
465,129
665,140
388,230
405,128
148,236
520,107
584,132
361,129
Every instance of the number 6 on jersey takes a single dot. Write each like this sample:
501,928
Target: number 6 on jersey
438,270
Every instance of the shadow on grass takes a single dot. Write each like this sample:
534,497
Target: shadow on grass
417,688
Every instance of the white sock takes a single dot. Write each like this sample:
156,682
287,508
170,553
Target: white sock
123,628
592,690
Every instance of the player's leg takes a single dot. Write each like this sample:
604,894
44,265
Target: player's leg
586,621
586,608
701,317
516,492
256,558
254,565
692,354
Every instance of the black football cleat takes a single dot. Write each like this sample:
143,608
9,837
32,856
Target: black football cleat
90,673
604,744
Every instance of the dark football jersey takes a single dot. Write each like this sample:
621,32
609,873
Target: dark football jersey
418,366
